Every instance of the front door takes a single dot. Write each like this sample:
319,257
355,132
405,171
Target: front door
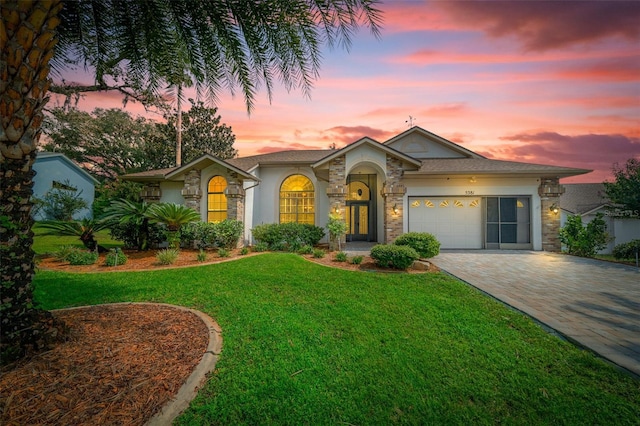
357,221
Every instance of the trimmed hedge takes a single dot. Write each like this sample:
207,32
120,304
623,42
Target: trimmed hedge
204,235
626,250
394,256
287,236
424,243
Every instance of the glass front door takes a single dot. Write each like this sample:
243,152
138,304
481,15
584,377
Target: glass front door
357,221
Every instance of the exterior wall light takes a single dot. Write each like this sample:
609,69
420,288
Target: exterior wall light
396,210
554,208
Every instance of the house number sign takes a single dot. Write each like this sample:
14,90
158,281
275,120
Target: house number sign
469,192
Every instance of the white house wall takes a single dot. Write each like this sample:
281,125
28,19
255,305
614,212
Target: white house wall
483,187
418,146
266,196
171,192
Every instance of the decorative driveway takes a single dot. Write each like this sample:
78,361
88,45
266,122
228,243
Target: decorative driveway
591,302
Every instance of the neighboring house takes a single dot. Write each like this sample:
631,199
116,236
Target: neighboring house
589,199
55,170
415,181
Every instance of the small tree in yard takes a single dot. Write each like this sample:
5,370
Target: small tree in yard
337,228
582,240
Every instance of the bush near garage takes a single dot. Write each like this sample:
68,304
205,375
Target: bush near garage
394,256
627,250
424,243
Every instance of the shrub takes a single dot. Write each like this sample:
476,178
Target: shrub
260,247
337,228
115,257
424,243
136,236
223,234
202,256
287,236
82,257
223,252
393,256
228,232
584,240
64,252
60,203
356,260
307,249
167,256
341,256
244,251
318,253
627,250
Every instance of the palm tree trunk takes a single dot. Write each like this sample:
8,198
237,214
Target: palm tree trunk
27,39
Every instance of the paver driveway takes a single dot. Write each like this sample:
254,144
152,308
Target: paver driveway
595,303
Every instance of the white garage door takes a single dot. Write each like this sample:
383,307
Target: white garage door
455,221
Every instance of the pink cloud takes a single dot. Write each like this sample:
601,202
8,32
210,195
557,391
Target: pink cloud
597,152
344,135
619,69
549,25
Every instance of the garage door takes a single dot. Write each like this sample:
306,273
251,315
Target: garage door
455,221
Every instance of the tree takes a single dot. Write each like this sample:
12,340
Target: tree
137,47
173,216
202,132
583,240
106,143
625,190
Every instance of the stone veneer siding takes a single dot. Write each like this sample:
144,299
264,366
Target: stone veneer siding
393,194
550,191
235,198
191,191
337,192
151,192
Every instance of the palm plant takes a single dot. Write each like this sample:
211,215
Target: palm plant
85,230
138,47
127,212
173,216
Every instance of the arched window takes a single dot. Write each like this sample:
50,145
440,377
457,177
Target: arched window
216,199
297,200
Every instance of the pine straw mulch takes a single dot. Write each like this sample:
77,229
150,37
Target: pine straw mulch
119,365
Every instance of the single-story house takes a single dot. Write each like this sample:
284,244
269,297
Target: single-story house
55,170
415,181
589,199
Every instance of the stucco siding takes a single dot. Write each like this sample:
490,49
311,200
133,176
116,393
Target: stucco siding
55,168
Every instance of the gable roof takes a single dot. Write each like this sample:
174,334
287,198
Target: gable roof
583,198
485,166
371,142
174,173
46,155
437,139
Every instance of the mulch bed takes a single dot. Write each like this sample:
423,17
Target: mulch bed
120,363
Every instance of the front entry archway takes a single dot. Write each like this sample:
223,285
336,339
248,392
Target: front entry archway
361,207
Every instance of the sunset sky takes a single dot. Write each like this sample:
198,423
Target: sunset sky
539,82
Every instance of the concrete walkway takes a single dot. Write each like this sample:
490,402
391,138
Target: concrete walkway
591,302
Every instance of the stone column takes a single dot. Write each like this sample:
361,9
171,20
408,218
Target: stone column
235,198
337,193
393,197
191,190
550,191
151,192
393,193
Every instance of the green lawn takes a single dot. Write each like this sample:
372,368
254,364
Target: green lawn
307,344
47,241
